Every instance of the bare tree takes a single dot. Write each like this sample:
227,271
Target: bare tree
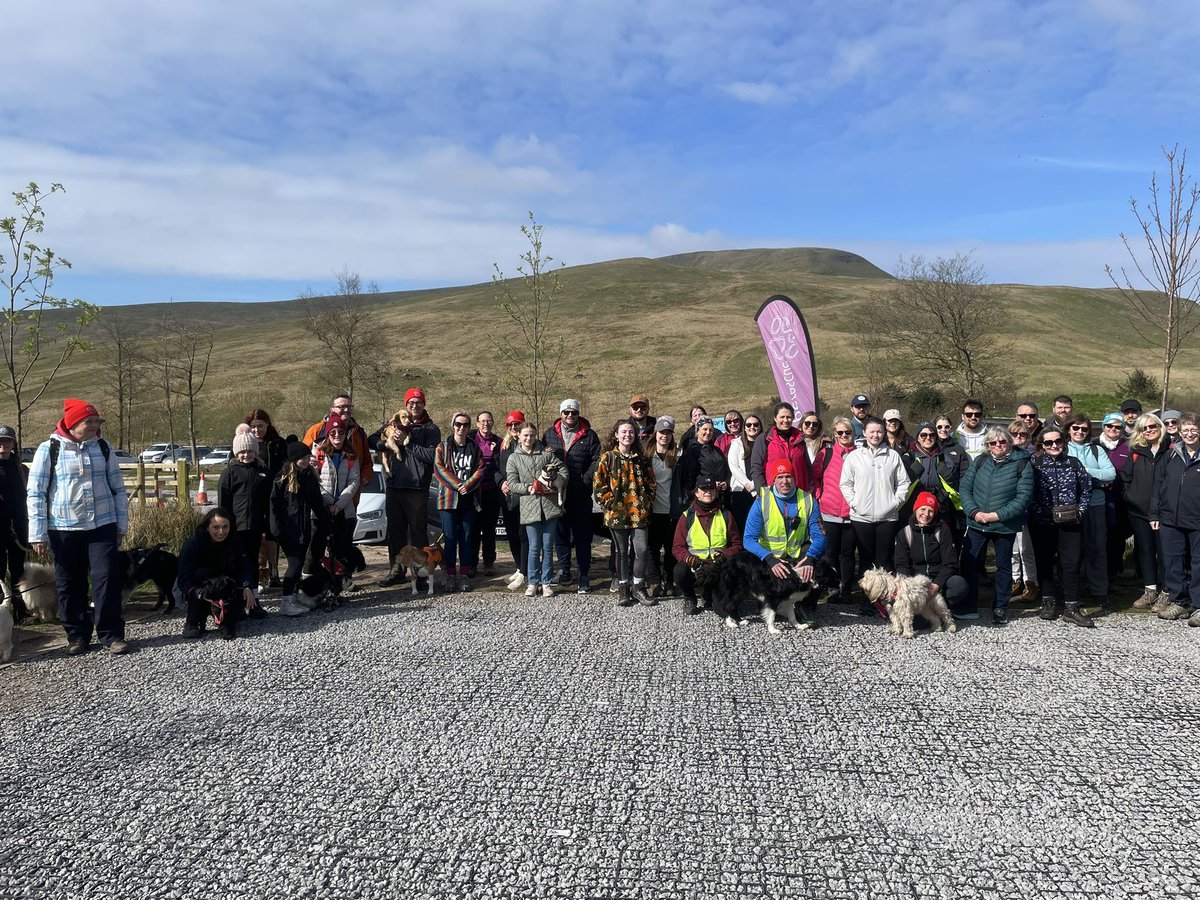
531,354
938,326
343,324
124,362
39,329
1165,314
193,346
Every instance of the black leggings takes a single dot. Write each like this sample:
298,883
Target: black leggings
1066,543
839,551
1147,548
518,541
295,565
876,543
660,562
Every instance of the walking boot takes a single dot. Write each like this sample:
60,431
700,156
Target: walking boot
1032,592
624,594
1149,595
1049,609
640,595
395,576
689,607
1076,616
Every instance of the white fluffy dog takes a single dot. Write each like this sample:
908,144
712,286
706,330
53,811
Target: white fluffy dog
39,590
906,598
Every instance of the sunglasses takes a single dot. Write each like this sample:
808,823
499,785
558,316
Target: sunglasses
843,433
1169,422
926,434
972,415
729,421
997,443
462,424
1026,415
1079,428
1053,442
810,424
570,412
1021,434
754,424
639,405
1151,428
943,427
1114,425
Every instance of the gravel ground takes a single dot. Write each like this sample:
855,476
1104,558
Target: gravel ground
485,745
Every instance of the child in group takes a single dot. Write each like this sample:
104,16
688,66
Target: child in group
295,500
244,491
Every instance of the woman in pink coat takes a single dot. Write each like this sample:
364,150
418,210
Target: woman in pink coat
835,511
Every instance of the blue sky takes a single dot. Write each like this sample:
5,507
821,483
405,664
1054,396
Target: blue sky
219,150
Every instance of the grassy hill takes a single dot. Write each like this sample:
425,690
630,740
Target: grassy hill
678,328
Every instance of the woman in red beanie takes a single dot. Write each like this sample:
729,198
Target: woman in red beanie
926,547
78,511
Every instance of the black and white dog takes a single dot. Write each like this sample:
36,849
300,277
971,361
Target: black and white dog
149,564
741,585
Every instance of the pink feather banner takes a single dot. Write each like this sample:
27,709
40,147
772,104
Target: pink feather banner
789,350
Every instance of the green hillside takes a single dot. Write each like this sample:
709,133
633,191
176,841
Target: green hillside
813,260
682,332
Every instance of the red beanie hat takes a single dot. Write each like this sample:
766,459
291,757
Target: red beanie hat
515,417
75,411
414,394
926,499
782,467
332,420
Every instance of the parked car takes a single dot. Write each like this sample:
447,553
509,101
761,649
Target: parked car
218,456
160,453
123,455
371,527
201,452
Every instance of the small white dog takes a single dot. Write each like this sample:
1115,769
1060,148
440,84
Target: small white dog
39,591
906,598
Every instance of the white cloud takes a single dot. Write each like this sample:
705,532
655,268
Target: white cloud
763,92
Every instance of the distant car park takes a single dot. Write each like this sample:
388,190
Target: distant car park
219,456
160,453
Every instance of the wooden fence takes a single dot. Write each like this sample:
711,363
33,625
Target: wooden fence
152,484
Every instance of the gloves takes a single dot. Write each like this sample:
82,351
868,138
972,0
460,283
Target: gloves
693,561
537,488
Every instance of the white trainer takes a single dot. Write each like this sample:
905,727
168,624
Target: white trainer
531,591
516,582
290,607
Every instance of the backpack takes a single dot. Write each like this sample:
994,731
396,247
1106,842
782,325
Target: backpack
55,449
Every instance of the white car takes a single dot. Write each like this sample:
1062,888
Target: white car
371,525
159,453
219,457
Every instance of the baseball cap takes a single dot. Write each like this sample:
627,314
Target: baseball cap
706,482
1114,419
1131,405
860,400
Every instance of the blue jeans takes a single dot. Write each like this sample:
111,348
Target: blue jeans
457,525
75,554
974,550
541,537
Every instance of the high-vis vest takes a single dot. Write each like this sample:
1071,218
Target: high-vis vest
784,542
707,546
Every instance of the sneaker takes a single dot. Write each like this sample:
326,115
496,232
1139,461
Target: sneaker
1161,602
289,607
117,647
531,591
193,631
77,647
1146,600
584,587
464,584
689,607
625,595
1174,611
1076,616
1194,619
564,577
1032,592
640,595
614,586
999,617
547,590
516,582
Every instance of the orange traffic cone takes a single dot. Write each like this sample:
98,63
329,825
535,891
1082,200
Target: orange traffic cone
201,494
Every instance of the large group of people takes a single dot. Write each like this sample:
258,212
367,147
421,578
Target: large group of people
1055,503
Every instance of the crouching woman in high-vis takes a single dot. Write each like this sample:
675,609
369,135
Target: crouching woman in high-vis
704,533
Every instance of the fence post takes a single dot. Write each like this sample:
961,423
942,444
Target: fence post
183,495
141,483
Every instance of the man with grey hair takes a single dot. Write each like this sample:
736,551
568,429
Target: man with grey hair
574,442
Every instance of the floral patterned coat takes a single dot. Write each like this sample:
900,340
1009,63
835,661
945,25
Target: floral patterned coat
624,487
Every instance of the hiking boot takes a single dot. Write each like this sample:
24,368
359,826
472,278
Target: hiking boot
117,647
689,607
192,630
1194,619
640,595
257,612
531,591
289,607
624,594
396,576
1161,602
1149,595
1032,592
1017,592
1076,616
1174,611
1049,609
464,584
309,603
75,648
999,617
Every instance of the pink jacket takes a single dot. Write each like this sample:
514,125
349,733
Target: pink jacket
829,494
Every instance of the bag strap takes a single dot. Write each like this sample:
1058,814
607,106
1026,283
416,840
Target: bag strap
55,449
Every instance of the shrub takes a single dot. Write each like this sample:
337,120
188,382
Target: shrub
1140,386
170,526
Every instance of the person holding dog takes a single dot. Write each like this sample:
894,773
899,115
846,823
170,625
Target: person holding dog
784,526
518,542
215,576
537,503
703,533
339,471
925,546
78,510
409,473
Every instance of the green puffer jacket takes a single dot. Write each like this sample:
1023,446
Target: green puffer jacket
521,471
1005,488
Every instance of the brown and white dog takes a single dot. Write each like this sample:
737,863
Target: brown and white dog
395,436
425,560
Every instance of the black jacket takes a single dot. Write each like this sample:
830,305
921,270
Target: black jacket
700,459
273,453
927,551
413,469
14,518
1177,490
244,492
581,459
1137,481
291,513
202,559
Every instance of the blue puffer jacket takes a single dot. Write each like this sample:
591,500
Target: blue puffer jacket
1177,490
1099,466
1058,482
